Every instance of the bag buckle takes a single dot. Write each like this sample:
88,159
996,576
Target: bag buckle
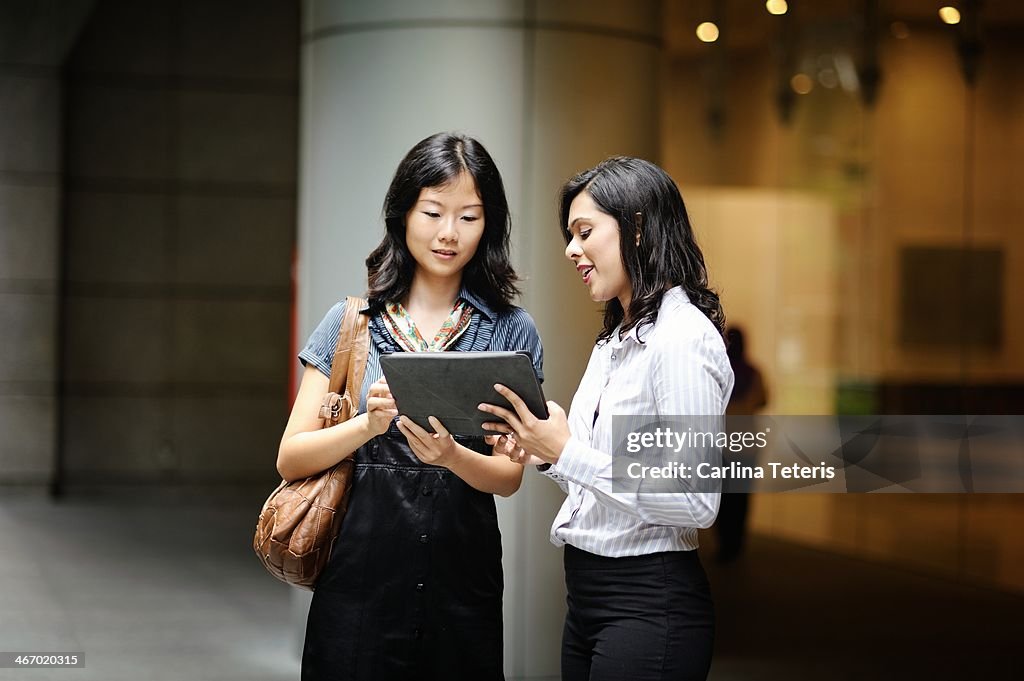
330,408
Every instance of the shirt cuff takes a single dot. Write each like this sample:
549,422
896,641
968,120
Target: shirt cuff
579,463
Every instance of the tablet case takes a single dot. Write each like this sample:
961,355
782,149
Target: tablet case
450,385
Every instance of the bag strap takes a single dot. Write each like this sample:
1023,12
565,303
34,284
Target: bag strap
349,363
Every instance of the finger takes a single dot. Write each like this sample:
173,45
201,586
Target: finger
439,428
492,439
517,456
406,425
509,417
505,448
421,450
418,453
500,412
381,406
501,428
379,391
522,410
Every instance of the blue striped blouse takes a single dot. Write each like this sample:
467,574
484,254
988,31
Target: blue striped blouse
512,330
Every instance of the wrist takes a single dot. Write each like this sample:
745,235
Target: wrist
559,446
366,428
456,458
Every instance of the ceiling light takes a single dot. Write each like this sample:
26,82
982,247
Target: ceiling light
707,32
777,7
950,15
801,83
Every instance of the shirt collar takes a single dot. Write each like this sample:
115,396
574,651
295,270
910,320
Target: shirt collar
675,295
476,302
467,296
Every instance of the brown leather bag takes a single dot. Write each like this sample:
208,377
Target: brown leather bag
300,520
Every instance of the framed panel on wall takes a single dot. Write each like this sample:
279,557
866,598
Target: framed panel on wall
951,297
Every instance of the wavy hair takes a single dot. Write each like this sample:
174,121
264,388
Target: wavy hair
435,162
643,198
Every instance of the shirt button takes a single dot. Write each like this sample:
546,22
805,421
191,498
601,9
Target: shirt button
613,356
419,587
427,491
417,633
424,538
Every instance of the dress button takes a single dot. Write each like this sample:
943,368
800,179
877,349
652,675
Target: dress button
427,491
419,587
424,538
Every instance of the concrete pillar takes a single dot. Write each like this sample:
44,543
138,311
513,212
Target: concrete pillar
549,88
34,38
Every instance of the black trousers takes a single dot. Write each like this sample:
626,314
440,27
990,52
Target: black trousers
639,617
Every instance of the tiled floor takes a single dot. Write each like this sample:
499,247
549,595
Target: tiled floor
148,590
787,612
168,590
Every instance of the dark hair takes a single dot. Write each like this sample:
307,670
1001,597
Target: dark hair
643,198
434,162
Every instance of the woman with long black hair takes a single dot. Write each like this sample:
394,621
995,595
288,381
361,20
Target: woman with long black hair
413,588
639,606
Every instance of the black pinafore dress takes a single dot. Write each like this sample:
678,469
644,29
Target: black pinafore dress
414,585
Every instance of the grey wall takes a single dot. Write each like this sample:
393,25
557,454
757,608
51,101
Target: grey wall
34,39
179,209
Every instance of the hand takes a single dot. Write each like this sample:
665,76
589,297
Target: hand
380,407
437,448
506,445
543,438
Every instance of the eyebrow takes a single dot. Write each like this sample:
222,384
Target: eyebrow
582,218
438,203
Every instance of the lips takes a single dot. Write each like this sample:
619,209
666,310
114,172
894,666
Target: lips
585,271
444,252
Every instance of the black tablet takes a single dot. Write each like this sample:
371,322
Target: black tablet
450,385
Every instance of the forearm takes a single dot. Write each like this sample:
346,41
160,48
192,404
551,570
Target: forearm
490,474
592,469
308,453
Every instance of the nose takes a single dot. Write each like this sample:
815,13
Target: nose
449,232
573,249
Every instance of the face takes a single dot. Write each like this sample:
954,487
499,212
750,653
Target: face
444,227
594,250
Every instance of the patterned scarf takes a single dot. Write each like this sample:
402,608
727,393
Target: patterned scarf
404,328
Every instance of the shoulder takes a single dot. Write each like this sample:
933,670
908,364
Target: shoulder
337,310
515,324
515,321
682,328
319,349
515,331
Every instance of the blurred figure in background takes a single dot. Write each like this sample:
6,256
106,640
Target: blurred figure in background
749,396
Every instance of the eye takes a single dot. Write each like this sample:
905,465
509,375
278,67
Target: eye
584,233
470,218
431,214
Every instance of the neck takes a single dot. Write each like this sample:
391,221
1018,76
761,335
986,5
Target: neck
432,293
624,300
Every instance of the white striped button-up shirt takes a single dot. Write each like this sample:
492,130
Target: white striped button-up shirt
680,368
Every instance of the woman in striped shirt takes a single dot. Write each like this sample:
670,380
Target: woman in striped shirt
413,587
639,606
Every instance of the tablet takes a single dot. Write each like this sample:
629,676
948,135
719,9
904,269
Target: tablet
450,385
